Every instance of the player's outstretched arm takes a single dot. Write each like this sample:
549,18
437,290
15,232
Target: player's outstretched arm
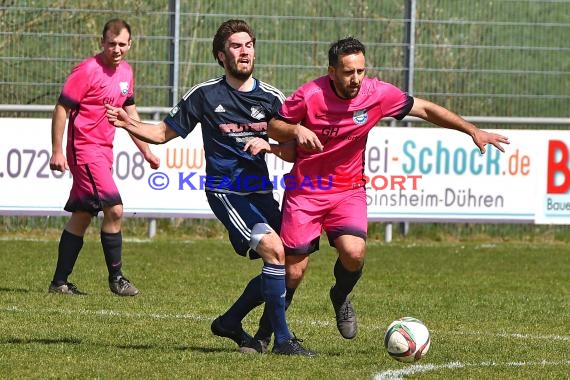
445,118
150,133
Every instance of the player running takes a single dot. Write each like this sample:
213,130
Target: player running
234,111
331,117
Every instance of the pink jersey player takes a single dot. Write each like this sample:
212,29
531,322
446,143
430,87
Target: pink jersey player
330,118
342,126
325,189
90,85
95,82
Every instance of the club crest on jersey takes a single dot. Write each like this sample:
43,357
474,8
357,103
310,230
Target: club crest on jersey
174,111
124,86
257,113
360,116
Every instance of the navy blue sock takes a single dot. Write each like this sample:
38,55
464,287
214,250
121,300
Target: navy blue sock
273,289
265,330
112,248
67,253
249,300
345,281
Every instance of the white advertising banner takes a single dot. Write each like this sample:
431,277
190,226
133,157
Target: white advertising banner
453,180
29,187
552,203
415,174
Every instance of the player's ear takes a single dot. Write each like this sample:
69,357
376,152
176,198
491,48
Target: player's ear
330,72
221,56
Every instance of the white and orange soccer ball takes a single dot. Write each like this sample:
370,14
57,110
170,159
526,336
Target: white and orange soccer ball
407,339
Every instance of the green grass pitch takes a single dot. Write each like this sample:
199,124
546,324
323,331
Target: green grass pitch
495,311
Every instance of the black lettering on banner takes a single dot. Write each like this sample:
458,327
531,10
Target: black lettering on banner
31,153
138,166
42,171
14,158
125,166
23,162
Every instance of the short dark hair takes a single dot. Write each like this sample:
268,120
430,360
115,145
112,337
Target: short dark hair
348,45
225,31
115,26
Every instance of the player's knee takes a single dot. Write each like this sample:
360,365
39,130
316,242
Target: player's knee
295,273
357,255
258,232
352,260
114,213
296,268
352,253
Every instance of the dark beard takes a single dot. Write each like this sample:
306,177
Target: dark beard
241,75
348,95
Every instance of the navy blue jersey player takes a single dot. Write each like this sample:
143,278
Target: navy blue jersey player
230,118
234,111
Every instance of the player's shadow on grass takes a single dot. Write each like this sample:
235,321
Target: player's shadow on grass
205,350
15,290
41,341
176,348
76,341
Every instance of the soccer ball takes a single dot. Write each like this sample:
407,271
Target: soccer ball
407,339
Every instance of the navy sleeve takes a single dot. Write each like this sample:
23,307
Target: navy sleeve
129,102
406,109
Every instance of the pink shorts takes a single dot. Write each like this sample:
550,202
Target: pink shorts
93,188
306,215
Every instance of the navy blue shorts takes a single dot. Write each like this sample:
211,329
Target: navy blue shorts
240,212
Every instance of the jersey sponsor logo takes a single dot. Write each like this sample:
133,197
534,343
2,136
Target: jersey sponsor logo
232,128
124,86
220,108
257,113
360,116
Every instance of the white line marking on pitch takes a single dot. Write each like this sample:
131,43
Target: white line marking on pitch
314,322
398,374
113,313
515,335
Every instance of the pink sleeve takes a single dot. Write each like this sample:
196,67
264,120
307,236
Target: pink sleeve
77,83
294,109
131,84
395,103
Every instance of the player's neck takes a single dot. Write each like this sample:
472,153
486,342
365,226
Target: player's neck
240,84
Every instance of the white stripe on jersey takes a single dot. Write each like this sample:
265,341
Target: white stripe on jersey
273,90
206,83
236,219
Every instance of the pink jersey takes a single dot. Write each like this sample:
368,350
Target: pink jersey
87,89
342,126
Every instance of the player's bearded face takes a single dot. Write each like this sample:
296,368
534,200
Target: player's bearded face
348,74
240,67
239,55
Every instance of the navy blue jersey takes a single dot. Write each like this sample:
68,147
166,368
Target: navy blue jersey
229,118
